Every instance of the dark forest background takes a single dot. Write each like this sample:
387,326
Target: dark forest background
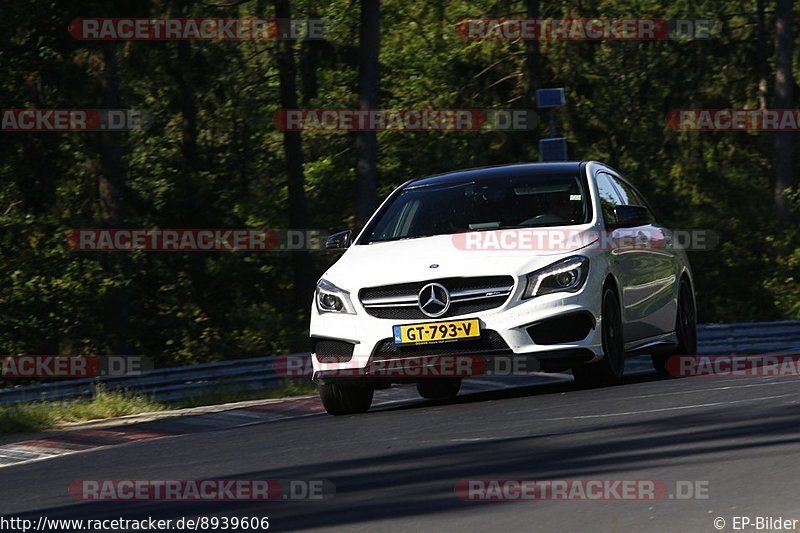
212,158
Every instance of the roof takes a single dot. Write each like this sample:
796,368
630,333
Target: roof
495,172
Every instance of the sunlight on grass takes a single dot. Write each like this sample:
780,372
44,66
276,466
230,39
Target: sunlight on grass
43,415
229,395
38,416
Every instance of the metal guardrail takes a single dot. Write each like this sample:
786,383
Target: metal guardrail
753,337
167,384
178,383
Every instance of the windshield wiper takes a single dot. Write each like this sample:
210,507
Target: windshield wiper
405,238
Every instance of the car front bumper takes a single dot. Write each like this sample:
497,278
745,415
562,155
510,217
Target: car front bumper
507,332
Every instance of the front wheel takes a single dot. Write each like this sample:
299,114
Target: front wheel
345,398
685,329
607,371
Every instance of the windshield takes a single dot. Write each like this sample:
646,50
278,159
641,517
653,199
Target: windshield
509,202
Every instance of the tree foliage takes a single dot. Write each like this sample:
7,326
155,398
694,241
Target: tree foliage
200,306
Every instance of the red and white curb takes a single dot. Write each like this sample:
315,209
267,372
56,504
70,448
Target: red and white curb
63,443
214,418
70,442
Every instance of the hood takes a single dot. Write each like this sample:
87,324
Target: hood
486,253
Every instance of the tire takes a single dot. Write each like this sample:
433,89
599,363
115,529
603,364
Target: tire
685,329
345,399
439,389
609,370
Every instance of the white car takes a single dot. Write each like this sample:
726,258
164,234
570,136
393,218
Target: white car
559,263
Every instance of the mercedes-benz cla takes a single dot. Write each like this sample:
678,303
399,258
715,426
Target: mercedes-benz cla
562,264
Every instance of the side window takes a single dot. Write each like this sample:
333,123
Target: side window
609,198
629,195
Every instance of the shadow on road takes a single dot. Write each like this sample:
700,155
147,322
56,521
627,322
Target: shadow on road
406,460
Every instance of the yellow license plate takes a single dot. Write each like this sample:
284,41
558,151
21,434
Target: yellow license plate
437,331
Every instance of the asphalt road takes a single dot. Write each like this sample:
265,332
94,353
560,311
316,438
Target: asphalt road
396,467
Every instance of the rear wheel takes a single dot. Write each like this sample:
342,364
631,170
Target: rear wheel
439,389
345,398
609,370
685,329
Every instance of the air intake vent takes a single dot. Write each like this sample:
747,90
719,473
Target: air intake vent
333,351
562,330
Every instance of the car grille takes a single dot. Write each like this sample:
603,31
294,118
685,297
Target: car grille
489,342
467,295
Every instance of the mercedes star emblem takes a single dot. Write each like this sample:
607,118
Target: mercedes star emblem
434,300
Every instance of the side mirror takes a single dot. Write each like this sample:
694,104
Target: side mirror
629,216
339,241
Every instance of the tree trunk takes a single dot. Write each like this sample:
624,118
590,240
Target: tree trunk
310,53
763,66
784,99
532,58
188,107
293,151
367,141
112,193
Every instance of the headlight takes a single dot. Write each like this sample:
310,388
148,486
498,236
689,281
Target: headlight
568,275
331,299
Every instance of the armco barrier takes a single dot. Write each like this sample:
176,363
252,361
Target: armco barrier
170,384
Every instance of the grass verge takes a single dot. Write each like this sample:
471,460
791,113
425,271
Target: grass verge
228,395
38,416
